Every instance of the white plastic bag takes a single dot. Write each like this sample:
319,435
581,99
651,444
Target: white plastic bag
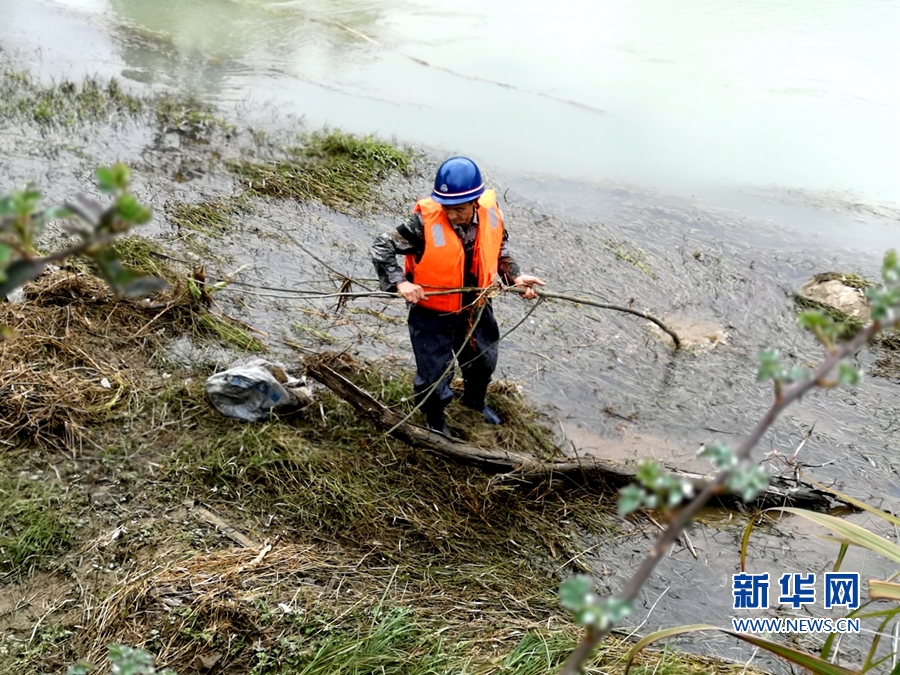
252,390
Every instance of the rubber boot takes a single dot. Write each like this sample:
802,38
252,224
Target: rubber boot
474,398
434,415
437,422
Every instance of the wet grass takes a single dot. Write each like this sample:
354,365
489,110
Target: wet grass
634,256
65,104
33,530
336,169
230,333
848,325
848,279
210,217
188,117
147,257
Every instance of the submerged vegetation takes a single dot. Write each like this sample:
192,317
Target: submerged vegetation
209,217
634,256
93,101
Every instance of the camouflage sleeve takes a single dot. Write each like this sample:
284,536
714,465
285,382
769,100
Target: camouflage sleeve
506,264
408,239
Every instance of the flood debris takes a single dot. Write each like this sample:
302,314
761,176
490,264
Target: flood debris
73,357
520,466
253,390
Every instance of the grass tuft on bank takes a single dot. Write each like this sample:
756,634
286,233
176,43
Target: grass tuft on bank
33,530
188,117
209,217
65,104
336,169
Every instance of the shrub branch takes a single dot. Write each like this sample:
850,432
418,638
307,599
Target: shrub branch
788,394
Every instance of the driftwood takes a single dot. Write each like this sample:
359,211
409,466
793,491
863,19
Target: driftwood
527,468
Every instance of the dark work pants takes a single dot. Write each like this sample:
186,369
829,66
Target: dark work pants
436,337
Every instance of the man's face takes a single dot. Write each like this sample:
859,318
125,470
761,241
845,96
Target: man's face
460,214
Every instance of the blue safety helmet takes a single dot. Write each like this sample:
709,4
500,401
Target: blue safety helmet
458,181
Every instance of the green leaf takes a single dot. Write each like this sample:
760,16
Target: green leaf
604,614
630,499
574,592
648,473
847,374
79,669
814,318
41,219
769,365
588,615
720,455
748,481
132,211
7,207
25,201
813,663
109,267
849,532
797,373
20,273
890,270
127,660
675,495
106,180
121,175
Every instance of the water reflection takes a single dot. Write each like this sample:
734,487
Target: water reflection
197,46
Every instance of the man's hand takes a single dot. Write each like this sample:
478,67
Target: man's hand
412,292
528,281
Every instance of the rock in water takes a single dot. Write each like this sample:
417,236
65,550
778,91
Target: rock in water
846,299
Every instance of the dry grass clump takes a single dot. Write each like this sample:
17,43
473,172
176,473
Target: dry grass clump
314,610
218,611
80,356
888,364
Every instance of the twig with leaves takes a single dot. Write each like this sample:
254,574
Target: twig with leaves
735,470
21,223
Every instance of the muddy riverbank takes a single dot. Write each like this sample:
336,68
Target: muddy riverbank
604,379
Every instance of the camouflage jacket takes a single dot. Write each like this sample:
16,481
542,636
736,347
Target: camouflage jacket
409,239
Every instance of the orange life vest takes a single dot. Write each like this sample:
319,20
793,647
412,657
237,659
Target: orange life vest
441,265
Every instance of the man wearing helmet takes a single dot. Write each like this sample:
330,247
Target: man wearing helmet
454,239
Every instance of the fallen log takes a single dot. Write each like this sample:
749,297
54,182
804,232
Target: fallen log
527,468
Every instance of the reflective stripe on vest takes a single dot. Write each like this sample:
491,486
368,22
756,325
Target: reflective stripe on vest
441,265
